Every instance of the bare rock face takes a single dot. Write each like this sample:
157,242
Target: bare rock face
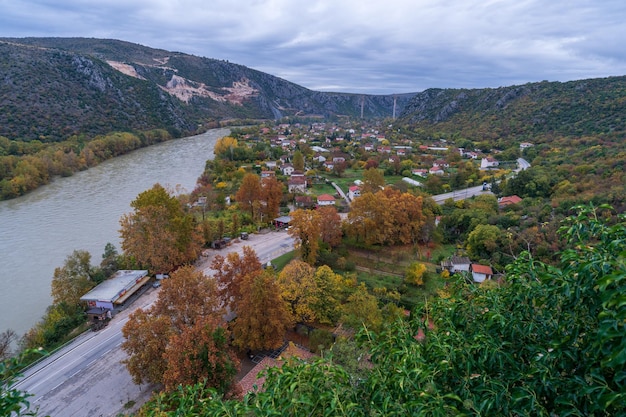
95,86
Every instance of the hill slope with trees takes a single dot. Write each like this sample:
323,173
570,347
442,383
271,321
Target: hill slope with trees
57,87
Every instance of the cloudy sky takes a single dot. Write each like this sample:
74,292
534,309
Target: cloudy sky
359,46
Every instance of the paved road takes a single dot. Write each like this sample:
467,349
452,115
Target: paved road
460,194
87,378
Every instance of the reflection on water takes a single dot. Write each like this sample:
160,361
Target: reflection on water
39,230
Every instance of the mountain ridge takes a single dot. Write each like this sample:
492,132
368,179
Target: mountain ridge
107,85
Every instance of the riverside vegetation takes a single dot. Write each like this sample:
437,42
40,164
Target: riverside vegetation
547,339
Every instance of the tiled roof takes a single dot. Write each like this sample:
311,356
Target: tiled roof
482,269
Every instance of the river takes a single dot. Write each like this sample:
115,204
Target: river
39,230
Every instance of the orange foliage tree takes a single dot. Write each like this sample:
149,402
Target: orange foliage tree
231,271
175,341
330,225
305,229
200,353
262,314
271,193
159,234
249,192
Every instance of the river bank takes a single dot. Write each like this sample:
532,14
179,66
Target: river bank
40,229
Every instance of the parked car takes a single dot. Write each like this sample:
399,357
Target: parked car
156,284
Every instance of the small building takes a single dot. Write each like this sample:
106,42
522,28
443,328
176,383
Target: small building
325,200
488,163
282,221
481,273
297,184
304,201
457,264
287,169
354,191
507,201
525,145
115,290
436,170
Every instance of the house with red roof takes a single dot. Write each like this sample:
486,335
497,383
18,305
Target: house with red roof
325,200
354,191
507,201
481,273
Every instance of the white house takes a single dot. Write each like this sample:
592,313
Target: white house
325,200
420,172
436,170
481,272
297,185
287,169
353,192
489,162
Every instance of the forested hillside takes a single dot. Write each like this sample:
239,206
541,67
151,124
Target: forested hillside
53,88
544,109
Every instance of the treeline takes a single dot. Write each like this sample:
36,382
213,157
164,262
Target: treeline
25,166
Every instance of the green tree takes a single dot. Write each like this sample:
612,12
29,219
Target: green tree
298,161
14,402
73,279
483,241
110,260
361,310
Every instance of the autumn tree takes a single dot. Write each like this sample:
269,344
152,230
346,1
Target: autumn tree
249,192
271,194
305,229
330,225
369,220
200,353
262,314
146,338
339,168
373,180
186,299
73,279
159,234
388,217
298,288
225,147
229,272
415,273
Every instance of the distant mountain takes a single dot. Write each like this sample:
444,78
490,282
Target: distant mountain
52,88
575,108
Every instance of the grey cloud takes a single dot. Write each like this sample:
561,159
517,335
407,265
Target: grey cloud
352,46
